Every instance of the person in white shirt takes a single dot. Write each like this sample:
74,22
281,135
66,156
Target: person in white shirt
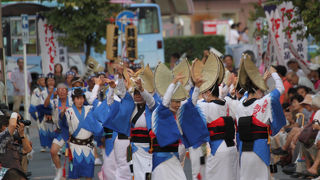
293,66
295,79
234,35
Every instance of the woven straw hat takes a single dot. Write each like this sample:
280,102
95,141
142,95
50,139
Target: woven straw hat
163,78
209,72
221,71
147,79
249,71
253,73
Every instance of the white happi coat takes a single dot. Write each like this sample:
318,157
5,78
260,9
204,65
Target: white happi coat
224,163
141,158
252,167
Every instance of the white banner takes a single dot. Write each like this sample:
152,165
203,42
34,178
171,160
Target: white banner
294,46
287,45
51,52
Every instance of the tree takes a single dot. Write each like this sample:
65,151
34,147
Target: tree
309,11
83,22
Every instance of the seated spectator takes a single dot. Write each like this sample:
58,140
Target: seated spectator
297,109
315,76
294,67
296,80
291,93
316,125
12,174
312,153
282,71
303,91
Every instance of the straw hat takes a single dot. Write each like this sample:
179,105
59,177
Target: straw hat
307,99
248,70
147,79
316,101
209,72
131,77
182,68
221,71
163,77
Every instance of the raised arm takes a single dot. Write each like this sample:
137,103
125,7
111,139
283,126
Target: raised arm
47,100
169,93
145,95
278,81
110,94
196,91
121,87
94,93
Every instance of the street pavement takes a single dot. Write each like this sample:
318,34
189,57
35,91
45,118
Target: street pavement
42,167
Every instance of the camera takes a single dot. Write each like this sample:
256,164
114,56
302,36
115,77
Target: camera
25,122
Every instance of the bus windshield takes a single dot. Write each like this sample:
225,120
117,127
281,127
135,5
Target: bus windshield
148,22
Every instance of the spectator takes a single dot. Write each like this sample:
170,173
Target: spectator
303,91
291,93
282,71
228,62
296,80
58,76
244,36
75,70
316,125
234,37
13,143
69,76
263,62
315,75
12,174
174,60
17,79
294,67
206,53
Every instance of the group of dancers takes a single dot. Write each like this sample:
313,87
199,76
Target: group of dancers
145,121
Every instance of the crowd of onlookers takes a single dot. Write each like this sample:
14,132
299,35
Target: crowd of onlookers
298,143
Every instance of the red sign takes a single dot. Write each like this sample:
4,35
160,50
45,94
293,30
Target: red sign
209,27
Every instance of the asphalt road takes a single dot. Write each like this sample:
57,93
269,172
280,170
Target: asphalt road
42,167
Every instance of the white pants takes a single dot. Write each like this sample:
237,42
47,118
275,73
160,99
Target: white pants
223,165
109,166
196,167
252,167
142,163
122,166
170,169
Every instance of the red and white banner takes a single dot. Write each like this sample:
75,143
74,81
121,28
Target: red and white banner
213,27
287,45
51,53
209,27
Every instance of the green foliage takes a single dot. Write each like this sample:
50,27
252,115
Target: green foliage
82,21
257,12
192,45
309,11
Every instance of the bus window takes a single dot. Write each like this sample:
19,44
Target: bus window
148,22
